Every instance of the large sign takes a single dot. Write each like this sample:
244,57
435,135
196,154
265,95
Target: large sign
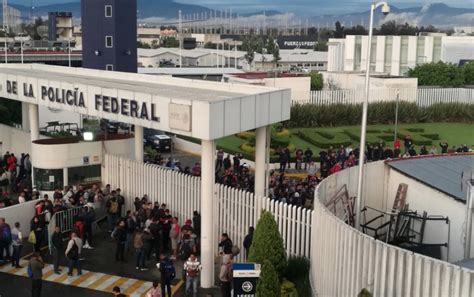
293,42
120,105
245,276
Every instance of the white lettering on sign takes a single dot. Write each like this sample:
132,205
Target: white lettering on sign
180,116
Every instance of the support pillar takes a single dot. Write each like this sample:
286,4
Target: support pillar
34,121
139,143
260,160
207,213
25,118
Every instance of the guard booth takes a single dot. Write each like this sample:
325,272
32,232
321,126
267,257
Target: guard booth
245,276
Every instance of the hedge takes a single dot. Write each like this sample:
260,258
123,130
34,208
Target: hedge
312,115
324,139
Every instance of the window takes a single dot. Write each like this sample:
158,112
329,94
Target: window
108,11
109,67
109,41
48,179
84,174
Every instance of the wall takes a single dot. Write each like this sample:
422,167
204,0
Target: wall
50,115
22,213
300,86
347,80
14,140
424,198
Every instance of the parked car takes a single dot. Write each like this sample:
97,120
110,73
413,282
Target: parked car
158,140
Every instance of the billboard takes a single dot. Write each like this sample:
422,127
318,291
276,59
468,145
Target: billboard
293,42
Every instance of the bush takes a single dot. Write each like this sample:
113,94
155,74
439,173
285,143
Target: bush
246,134
317,81
439,74
267,244
468,73
269,283
364,293
297,272
324,139
288,289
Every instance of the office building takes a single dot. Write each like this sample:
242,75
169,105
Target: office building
109,34
60,26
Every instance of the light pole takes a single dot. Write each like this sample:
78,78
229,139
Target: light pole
21,49
358,202
5,46
396,115
69,51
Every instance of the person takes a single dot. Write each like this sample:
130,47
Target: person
174,236
5,240
36,263
88,217
225,275
225,244
444,147
17,244
408,143
113,209
197,223
139,244
57,247
116,292
154,291
423,150
131,227
308,155
220,159
21,198
283,158
227,163
120,235
248,241
168,273
121,201
73,250
192,267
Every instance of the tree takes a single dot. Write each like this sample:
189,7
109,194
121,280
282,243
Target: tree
10,111
269,283
154,43
273,49
267,244
250,45
468,73
210,45
321,46
339,33
169,42
141,44
438,74
317,82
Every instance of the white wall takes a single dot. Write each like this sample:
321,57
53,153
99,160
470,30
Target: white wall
299,86
50,115
346,80
21,213
14,140
424,198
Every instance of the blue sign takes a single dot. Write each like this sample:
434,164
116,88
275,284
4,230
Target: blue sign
245,276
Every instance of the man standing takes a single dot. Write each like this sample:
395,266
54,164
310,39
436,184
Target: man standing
444,147
192,267
248,241
121,238
113,209
57,248
168,273
220,159
5,240
308,155
17,244
37,265
408,143
73,250
299,158
226,244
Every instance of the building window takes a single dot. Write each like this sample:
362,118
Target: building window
108,11
84,175
109,67
48,179
109,41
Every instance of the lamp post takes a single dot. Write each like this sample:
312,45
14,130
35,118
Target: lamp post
358,202
5,46
69,51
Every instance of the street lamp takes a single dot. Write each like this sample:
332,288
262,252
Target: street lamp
5,46
358,202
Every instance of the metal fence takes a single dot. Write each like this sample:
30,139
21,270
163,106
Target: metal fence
343,260
421,96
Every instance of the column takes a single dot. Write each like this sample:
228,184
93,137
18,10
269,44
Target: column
138,143
260,160
34,121
25,119
65,177
207,223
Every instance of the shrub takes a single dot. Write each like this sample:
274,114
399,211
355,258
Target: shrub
438,74
269,283
297,272
317,81
324,139
468,73
288,289
267,244
364,293
246,134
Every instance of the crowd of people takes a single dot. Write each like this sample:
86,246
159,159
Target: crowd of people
15,175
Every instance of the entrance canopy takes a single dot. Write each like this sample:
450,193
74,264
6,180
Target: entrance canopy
201,109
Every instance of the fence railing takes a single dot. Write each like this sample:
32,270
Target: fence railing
234,210
421,96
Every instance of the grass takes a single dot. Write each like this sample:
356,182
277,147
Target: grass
455,134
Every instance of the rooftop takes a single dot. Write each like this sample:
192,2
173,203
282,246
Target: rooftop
443,172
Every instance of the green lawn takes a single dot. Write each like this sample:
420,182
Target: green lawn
454,133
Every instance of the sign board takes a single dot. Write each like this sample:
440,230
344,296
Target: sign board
180,117
51,178
293,42
85,160
245,276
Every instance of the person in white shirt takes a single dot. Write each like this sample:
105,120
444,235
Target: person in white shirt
17,244
192,267
73,250
21,198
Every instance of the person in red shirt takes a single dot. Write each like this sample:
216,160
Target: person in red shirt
336,168
396,143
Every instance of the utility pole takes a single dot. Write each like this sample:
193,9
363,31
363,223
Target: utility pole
180,39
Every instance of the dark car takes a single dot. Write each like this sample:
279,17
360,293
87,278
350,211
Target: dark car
108,126
159,141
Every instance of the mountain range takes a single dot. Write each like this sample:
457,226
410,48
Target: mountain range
436,13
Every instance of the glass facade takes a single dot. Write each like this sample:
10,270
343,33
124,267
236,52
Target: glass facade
387,67
84,174
420,50
404,55
437,49
357,53
48,179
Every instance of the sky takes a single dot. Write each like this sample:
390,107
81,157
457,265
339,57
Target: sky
314,7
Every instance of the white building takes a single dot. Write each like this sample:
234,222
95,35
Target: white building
290,59
394,55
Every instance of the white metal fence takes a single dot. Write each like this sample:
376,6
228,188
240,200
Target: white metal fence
234,211
343,260
422,96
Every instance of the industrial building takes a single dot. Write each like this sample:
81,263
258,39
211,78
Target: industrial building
60,26
394,55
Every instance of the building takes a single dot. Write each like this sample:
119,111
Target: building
295,59
148,35
12,19
60,26
394,55
109,34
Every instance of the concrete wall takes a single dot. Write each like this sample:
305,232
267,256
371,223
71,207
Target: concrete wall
300,86
14,140
49,115
345,80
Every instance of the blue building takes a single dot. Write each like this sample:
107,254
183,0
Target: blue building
109,35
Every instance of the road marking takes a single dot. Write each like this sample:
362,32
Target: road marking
82,278
117,283
131,289
99,281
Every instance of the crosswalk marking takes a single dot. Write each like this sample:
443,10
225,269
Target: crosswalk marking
89,279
